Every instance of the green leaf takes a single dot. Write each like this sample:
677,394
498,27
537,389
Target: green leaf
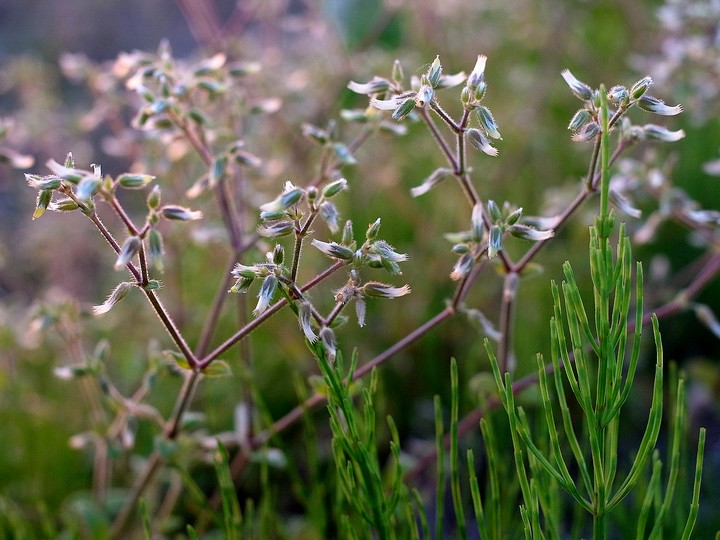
218,368
177,358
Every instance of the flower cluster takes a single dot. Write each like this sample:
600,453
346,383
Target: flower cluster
585,123
292,212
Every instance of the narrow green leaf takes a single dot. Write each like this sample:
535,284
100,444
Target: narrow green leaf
217,368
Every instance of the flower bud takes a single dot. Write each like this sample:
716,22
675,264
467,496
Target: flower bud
487,121
382,290
360,311
434,72
153,198
435,178
480,91
424,96
377,85
348,238
587,133
478,139
580,89
528,233
386,251
267,291
327,337
404,109
334,250
639,88
155,246
467,98
217,171
66,173
241,285
180,213
618,94
329,214
478,225
241,270
652,132
43,182
397,72
88,187
462,267
579,119
478,73
69,160
43,200
333,188
514,216
305,320
373,230
118,293
315,133
134,181
128,250
495,242
657,106
495,212
246,159
278,254
273,215
276,229
64,205
344,154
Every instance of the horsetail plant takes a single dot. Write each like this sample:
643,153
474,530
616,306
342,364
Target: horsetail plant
594,362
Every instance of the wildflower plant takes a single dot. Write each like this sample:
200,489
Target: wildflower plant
183,106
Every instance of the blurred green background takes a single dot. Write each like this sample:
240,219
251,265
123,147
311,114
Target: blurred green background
53,269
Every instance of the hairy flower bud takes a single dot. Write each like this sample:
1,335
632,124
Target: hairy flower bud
382,290
267,291
128,250
462,267
155,249
487,122
579,119
424,96
88,187
435,72
657,106
276,229
377,85
580,89
478,73
639,88
43,200
618,94
404,109
495,242
305,320
333,188
478,225
334,250
118,293
43,182
153,198
658,133
478,139
134,181
373,230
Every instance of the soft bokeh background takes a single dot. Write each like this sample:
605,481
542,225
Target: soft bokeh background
309,51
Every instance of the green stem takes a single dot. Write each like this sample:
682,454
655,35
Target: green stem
604,155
